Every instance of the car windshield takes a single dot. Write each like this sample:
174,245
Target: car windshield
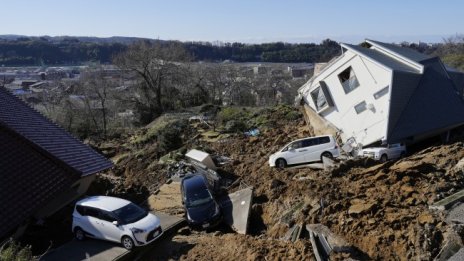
130,213
199,197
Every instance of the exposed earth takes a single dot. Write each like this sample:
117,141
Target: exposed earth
382,210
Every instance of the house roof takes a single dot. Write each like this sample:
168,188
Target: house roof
381,58
407,53
48,137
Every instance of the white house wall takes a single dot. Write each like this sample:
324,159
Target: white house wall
368,126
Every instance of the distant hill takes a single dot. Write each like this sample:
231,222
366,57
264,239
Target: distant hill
20,50
85,39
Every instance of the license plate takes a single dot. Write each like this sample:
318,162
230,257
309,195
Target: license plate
205,225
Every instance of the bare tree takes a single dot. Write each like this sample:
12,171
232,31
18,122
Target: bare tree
157,65
96,95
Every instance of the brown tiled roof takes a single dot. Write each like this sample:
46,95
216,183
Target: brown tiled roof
49,137
38,161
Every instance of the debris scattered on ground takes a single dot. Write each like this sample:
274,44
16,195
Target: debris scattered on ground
252,133
380,209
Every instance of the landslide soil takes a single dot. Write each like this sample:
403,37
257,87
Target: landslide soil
380,209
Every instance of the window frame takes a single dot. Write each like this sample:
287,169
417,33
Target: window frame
314,96
364,107
321,88
382,92
350,71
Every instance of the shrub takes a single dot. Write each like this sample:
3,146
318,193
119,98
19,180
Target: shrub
229,114
287,112
169,138
235,126
210,109
12,251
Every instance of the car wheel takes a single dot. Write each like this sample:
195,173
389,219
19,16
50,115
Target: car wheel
402,155
79,234
281,163
127,242
327,155
384,158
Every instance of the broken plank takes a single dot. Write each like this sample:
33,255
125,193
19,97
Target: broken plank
448,201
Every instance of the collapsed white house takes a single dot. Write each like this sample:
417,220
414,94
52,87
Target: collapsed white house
378,92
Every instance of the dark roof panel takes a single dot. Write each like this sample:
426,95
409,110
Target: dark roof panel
458,80
404,84
49,137
382,58
434,105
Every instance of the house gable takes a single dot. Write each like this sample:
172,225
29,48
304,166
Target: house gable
354,109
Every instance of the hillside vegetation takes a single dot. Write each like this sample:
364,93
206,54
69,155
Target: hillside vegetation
29,51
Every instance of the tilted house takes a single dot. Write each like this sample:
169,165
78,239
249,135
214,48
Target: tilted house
42,167
378,92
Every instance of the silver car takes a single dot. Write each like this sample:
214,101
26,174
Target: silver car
304,151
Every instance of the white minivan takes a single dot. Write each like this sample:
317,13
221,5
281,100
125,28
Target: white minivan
304,151
115,219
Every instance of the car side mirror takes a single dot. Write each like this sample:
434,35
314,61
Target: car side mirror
292,150
115,223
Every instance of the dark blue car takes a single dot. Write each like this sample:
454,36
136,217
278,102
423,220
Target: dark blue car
201,209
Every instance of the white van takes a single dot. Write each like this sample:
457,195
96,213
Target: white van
304,151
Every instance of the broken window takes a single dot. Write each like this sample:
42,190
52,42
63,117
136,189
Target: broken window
381,93
360,107
321,97
348,80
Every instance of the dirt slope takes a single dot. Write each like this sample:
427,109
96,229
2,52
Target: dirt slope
381,209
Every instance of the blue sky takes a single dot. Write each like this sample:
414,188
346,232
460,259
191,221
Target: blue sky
248,21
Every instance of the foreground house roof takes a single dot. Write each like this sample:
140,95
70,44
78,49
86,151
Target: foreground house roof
47,137
38,161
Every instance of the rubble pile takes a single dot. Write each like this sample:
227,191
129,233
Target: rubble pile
382,210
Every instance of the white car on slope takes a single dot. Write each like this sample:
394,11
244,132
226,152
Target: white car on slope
116,220
389,152
304,151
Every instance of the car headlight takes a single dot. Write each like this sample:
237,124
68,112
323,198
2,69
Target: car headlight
137,230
